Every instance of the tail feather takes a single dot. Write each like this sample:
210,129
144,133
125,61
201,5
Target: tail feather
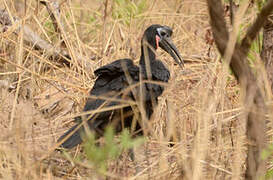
73,140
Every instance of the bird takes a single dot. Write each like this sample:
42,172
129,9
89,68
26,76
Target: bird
119,82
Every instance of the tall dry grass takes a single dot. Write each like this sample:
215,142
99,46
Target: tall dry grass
200,108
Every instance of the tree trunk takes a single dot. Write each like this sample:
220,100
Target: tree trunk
267,49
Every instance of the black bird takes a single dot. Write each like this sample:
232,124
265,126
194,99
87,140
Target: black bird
113,81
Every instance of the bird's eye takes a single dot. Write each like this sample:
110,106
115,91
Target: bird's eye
162,33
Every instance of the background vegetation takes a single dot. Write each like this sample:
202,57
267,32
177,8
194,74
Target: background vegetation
40,95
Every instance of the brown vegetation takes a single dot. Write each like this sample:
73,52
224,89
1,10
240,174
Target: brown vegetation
44,85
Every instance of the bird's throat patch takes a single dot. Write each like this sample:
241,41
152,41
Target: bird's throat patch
157,39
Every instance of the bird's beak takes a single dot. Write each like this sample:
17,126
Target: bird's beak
167,44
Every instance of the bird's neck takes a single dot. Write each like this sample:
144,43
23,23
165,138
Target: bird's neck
146,52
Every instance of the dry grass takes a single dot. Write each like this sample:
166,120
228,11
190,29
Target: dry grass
200,108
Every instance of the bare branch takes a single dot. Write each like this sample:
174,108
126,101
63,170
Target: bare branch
29,35
33,38
53,9
258,24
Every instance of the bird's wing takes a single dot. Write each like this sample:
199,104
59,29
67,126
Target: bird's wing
117,68
111,80
112,77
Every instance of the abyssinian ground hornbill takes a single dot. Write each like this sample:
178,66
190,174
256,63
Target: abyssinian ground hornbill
120,80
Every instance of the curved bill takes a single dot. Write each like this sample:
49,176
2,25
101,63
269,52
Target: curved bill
169,47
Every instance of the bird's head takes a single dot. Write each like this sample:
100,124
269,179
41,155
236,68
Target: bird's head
160,36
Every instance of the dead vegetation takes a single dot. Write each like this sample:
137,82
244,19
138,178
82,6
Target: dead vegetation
45,80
